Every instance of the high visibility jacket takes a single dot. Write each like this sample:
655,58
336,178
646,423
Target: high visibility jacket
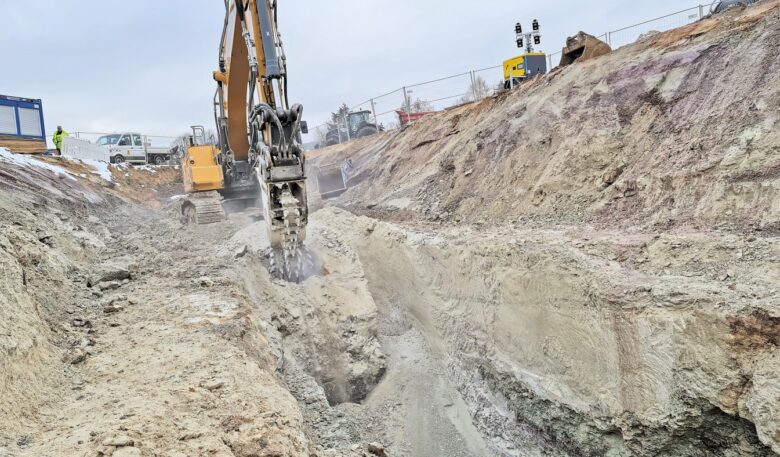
58,136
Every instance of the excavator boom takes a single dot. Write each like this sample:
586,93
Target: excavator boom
259,133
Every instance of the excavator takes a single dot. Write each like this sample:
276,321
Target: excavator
259,159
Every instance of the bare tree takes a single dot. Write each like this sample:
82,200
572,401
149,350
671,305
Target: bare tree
478,90
337,118
336,124
322,133
420,106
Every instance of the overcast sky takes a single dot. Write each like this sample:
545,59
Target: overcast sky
145,65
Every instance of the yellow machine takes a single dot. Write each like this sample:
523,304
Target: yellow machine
517,69
203,180
529,64
259,161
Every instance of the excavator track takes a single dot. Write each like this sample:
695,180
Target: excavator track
287,258
203,208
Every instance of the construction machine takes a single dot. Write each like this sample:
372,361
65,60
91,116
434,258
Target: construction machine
522,67
358,125
720,6
259,159
530,63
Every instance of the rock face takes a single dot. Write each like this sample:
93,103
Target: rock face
614,287
589,347
34,284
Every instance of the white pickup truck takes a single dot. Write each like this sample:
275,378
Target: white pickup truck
133,148
117,148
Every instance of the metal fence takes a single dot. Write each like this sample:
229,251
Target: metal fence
627,35
449,91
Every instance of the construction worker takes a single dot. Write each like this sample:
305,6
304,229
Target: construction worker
58,139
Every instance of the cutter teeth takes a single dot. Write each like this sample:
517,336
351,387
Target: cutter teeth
288,258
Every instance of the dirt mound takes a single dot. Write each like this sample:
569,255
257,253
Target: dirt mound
39,177
679,129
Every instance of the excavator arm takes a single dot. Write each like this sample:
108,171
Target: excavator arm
258,130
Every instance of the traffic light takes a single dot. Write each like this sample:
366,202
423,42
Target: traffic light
535,25
519,42
518,28
537,39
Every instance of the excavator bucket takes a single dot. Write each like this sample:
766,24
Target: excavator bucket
330,180
583,47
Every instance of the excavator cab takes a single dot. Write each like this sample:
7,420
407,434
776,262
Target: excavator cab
200,164
203,178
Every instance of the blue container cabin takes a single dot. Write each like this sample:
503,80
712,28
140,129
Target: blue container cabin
21,125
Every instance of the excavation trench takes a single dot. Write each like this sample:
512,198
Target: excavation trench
509,343
434,341
364,365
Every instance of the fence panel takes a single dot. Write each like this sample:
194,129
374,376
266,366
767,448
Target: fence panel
630,34
493,78
385,107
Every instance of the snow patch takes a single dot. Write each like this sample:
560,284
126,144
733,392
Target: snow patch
146,168
101,169
30,162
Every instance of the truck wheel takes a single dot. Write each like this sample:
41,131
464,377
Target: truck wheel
119,159
159,160
367,131
331,143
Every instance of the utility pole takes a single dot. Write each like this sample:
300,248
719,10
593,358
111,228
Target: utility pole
346,127
473,86
407,100
373,110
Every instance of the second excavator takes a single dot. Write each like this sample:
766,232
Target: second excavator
259,159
